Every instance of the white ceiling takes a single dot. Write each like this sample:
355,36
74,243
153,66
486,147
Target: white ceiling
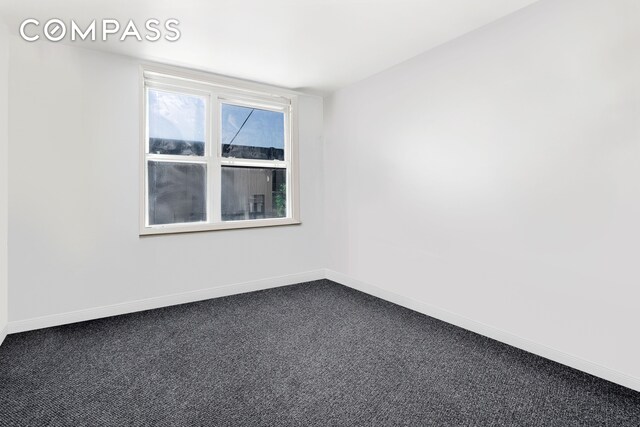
316,45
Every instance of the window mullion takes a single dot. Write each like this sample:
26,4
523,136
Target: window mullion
215,178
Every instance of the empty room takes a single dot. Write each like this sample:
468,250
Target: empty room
319,213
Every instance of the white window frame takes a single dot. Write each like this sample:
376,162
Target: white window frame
218,90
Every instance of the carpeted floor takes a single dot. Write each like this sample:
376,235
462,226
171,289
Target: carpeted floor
312,354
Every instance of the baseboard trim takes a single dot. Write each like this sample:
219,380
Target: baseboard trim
489,331
3,333
159,302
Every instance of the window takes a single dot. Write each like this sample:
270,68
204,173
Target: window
217,154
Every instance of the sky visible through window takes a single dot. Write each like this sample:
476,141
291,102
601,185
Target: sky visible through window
176,116
262,128
182,117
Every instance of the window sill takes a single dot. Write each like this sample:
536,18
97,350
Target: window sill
227,225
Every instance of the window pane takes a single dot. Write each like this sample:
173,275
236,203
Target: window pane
177,192
251,133
253,193
176,123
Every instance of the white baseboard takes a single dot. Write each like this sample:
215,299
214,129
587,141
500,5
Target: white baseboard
489,331
158,302
3,333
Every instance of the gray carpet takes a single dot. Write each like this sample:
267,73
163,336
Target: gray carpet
310,354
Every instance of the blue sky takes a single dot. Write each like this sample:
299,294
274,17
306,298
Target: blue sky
176,116
182,117
263,129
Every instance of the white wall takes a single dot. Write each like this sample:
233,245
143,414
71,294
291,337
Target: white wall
4,175
73,220
498,178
